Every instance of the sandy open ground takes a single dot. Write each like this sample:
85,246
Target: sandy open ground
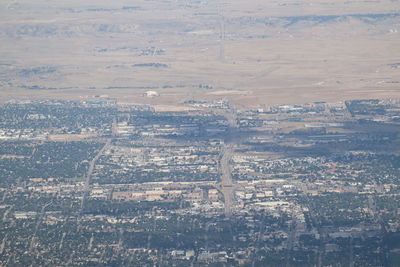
252,53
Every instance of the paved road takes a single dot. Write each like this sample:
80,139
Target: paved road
39,221
290,241
90,170
378,219
114,130
3,244
226,184
93,162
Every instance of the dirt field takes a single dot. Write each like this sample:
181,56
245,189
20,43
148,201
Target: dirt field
252,53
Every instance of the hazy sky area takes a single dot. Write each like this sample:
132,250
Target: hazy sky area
252,52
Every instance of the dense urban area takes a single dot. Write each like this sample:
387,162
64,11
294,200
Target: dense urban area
98,183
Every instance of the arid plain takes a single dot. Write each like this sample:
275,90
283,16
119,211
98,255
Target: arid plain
252,53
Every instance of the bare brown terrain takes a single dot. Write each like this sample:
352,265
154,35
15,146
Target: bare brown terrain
252,53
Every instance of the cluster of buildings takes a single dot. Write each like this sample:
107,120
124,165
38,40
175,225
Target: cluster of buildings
304,179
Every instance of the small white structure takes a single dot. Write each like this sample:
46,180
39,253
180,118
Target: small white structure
151,94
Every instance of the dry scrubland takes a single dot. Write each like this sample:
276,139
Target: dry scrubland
250,52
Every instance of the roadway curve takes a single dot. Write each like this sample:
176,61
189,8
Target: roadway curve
227,186
90,171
